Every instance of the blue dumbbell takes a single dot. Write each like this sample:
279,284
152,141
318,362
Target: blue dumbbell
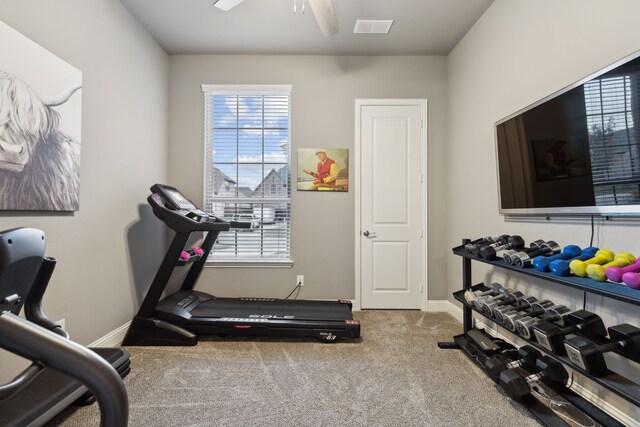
541,263
560,267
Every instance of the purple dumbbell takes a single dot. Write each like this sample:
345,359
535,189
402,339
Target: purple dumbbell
615,273
632,280
560,267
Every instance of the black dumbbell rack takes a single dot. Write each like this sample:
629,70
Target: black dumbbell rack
618,384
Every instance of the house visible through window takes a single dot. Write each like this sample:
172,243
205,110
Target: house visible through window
247,140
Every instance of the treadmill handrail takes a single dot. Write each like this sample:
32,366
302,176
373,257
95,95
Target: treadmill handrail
20,381
35,343
33,309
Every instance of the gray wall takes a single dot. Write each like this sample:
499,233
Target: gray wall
102,257
323,95
517,53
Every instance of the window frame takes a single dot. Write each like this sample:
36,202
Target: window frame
248,90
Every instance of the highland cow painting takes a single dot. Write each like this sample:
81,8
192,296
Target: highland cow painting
40,116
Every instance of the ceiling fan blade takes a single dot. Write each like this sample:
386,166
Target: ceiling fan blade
325,16
226,4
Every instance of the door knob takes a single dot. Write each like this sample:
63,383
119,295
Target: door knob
366,233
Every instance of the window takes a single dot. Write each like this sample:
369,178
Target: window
247,140
612,107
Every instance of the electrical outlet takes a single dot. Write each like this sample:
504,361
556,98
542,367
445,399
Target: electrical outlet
61,322
300,280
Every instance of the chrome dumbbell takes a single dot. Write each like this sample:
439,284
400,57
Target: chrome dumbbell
523,259
513,316
523,303
555,313
489,306
507,255
502,293
470,295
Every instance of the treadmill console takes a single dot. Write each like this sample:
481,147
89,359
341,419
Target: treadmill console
179,213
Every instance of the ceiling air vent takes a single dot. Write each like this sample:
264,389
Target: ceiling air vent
372,26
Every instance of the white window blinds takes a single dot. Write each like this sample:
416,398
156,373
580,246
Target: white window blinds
247,140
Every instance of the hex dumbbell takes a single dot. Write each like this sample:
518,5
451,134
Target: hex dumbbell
490,251
500,240
470,295
489,306
579,268
537,308
507,255
560,267
469,247
523,303
549,370
589,356
556,313
541,263
523,259
526,358
615,273
597,271
481,300
581,322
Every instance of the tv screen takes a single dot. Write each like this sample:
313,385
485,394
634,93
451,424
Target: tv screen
577,151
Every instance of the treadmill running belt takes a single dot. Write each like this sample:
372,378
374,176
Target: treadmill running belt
300,310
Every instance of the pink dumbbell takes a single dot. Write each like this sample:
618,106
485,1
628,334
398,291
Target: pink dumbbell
632,280
615,273
198,250
185,255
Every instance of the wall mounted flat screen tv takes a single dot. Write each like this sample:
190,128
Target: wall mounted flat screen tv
577,151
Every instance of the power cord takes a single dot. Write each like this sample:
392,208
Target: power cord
592,232
298,286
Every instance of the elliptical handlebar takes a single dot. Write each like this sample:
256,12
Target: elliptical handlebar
35,343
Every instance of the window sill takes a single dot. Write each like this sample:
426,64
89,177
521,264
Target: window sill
250,264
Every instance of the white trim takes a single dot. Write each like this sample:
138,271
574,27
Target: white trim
359,103
248,264
246,89
113,338
446,306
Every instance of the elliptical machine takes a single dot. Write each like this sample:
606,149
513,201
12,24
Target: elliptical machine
62,371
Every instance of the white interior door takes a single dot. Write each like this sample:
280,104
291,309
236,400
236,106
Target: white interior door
392,221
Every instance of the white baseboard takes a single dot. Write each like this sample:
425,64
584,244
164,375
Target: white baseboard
113,338
446,306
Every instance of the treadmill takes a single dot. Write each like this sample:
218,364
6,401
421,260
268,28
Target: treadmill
180,317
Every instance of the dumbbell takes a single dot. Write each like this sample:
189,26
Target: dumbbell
632,280
489,306
589,356
561,267
535,245
597,271
481,300
581,322
523,259
579,268
523,303
500,240
541,263
550,372
537,308
526,358
489,251
482,241
470,295
556,313
615,273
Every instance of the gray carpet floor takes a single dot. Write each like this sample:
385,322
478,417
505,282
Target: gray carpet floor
394,376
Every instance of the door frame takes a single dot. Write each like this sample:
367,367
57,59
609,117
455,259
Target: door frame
359,103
